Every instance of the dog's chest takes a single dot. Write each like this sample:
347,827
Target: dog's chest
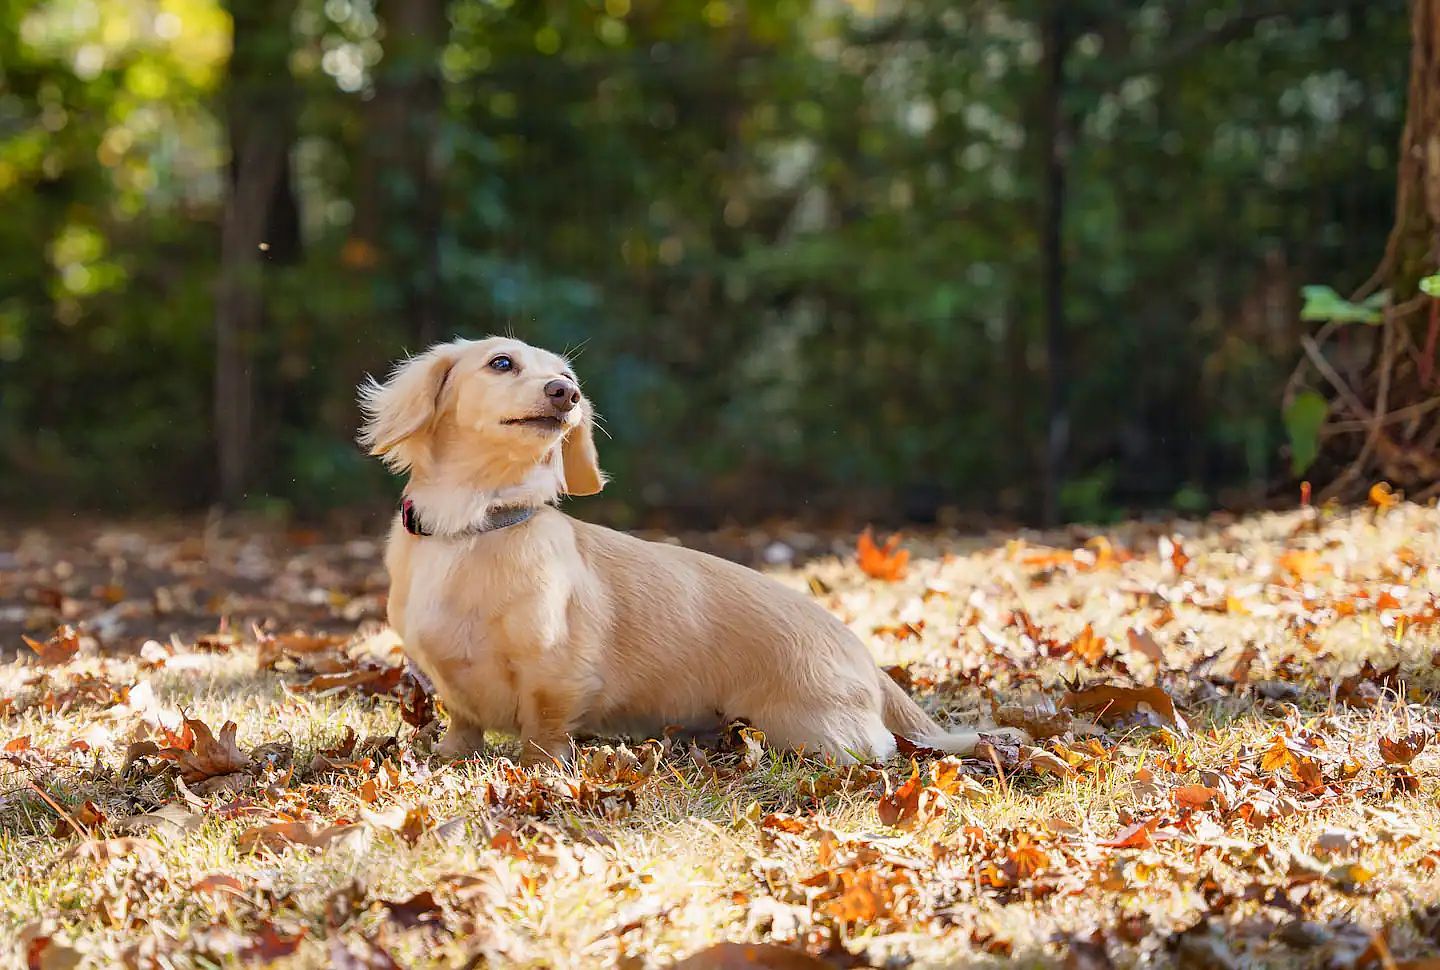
459,628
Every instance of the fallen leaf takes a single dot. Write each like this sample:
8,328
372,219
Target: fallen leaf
419,910
409,822
1304,565
1194,796
1173,552
417,698
44,952
1382,499
913,805
270,944
1110,702
371,678
218,883
1134,836
63,644
1087,647
208,756
888,562
82,821
1334,841
170,818
1403,750
280,835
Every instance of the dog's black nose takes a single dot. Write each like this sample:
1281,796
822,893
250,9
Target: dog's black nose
563,394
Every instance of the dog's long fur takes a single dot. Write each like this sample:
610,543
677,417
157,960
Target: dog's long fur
556,626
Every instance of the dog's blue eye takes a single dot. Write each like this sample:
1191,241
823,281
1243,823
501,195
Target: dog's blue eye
502,363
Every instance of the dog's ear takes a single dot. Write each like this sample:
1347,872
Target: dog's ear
402,407
582,465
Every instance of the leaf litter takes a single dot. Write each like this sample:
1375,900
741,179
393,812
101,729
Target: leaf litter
1230,767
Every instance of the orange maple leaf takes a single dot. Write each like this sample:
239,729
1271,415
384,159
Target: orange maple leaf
1087,647
886,562
1303,564
1136,835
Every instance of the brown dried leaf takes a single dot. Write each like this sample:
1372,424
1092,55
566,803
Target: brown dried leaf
913,805
63,644
44,952
1194,796
410,822
1403,750
417,698
1110,702
419,910
1136,835
82,821
281,835
371,678
106,850
208,756
270,944
218,883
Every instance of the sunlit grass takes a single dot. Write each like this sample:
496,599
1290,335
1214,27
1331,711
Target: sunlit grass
697,861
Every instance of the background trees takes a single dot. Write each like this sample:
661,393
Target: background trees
1013,257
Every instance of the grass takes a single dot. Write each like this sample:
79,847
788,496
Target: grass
1327,857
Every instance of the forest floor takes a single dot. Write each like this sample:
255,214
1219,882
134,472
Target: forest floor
1230,766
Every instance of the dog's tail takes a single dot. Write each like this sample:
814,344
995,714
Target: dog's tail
904,717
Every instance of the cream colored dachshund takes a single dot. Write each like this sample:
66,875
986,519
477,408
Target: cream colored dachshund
531,622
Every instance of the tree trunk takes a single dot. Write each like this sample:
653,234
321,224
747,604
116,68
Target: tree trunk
1055,148
1400,440
260,224
1411,252
404,173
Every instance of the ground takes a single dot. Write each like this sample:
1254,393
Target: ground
1229,769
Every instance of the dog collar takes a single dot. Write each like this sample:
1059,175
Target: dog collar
500,517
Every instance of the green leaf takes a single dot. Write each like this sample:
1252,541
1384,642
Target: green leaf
1430,285
1303,419
1323,303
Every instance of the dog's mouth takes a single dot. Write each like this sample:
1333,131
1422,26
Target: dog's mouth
540,422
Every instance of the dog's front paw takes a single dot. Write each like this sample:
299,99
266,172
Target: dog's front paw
534,754
460,742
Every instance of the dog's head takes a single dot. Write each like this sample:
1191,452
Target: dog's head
494,413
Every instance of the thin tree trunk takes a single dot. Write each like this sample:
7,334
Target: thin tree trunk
1402,375
1411,251
405,163
260,224
1055,148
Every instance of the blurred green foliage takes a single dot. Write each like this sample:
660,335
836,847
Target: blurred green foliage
795,243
